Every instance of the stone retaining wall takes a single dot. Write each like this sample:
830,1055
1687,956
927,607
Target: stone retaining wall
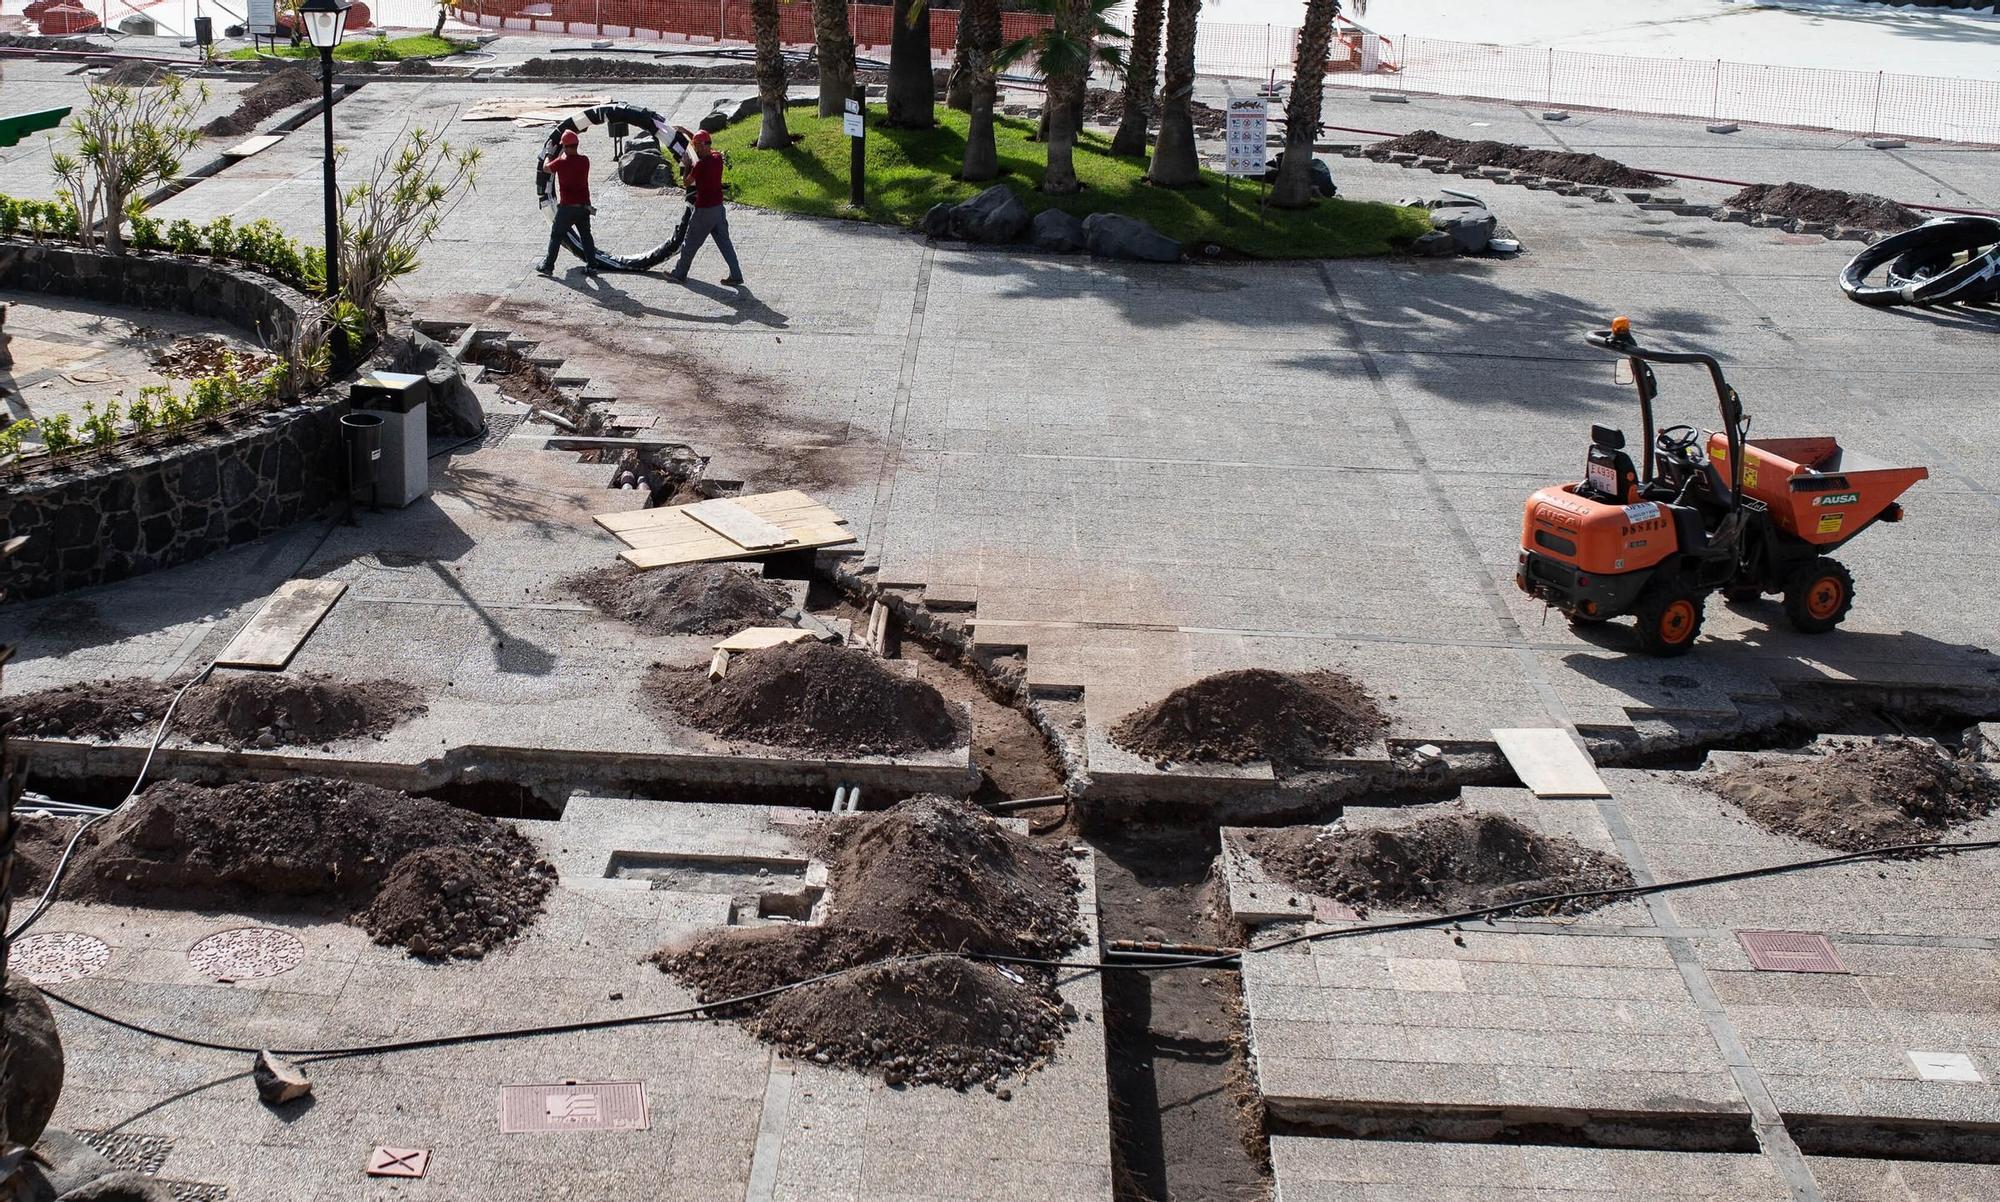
135,508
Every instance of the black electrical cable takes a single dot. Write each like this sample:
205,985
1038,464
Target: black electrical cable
311,1055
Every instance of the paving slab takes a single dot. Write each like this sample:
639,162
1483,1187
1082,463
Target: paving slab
724,1109
1311,1169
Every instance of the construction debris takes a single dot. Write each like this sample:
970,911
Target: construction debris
1867,795
695,533
278,1080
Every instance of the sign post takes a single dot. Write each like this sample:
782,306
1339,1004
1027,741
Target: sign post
1244,133
857,136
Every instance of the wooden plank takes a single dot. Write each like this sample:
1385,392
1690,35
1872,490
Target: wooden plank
250,146
720,548
737,524
772,507
756,638
1550,763
693,533
272,637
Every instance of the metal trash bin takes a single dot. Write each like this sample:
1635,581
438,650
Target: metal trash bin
402,401
362,434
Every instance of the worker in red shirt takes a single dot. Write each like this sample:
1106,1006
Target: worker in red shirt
710,219
573,209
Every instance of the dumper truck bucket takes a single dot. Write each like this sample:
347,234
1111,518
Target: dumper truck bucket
1815,490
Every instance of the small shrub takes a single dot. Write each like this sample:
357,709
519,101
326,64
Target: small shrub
208,396
175,410
144,413
57,434
147,233
184,236
100,427
10,438
220,237
10,216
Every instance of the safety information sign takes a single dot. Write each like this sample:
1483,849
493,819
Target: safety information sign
1243,133
851,120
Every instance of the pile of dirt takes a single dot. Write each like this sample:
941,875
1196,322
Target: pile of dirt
1862,796
250,710
102,709
1108,106
1288,718
39,840
930,875
132,74
188,358
1807,203
1552,164
321,842
279,90
1444,864
271,711
809,695
701,598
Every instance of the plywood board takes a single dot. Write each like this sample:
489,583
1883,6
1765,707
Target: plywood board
770,506
756,638
272,637
1550,763
673,534
737,524
719,548
250,146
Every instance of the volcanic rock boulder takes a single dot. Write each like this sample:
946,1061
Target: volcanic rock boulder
994,216
810,695
1251,714
1867,795
1471,227
1058,231
454,408
1116,236
1443,864
914,892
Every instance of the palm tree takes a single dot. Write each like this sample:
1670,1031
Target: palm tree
1077,39
1142,72
1294,189
980,21
912,91
958,85
835,46
770,75
1174,163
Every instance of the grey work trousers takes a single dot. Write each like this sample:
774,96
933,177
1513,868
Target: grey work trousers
711,222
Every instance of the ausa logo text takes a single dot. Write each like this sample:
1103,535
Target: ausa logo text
1838,498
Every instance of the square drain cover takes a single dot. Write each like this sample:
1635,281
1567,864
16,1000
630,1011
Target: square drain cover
574,1106
1789,951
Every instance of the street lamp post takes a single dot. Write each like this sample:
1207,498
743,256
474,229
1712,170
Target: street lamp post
326,21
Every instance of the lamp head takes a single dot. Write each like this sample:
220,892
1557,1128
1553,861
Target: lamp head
325,21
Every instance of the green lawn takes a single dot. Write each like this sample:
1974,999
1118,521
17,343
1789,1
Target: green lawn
911,170
366,47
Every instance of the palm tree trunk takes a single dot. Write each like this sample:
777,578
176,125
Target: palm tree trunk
834,43
1174,162
770,75
1064,106
958,86
982,158
912,93
1294,189
1142,70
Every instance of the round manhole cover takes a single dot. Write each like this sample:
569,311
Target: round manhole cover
246,952
58,957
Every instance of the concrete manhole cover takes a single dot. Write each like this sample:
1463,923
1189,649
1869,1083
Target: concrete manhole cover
574,1106
58,957
244,953
1789,951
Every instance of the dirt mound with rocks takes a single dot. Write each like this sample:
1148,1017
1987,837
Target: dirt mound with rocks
930,875
133,75
700,598
279,90
585,67
810,695
1235,717
269,711
1444,864
1863,796
39,840
1108,105
320,843
1807,203
102,709
1551,164
255,709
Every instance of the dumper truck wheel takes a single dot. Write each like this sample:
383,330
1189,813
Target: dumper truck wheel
1669,618
1818,596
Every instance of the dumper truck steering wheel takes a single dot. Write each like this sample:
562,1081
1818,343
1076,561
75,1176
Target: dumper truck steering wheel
1677,440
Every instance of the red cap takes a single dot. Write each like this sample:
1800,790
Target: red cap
701,137
569,137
